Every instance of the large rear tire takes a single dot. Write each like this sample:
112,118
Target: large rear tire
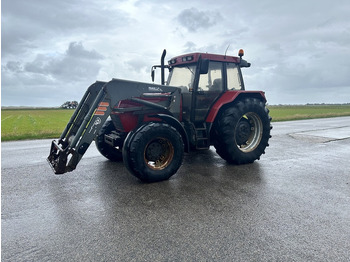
108,151
154,152
243,131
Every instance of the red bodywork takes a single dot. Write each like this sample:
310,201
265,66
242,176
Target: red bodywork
228,97
129,111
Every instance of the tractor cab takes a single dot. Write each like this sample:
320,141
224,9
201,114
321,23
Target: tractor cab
203,78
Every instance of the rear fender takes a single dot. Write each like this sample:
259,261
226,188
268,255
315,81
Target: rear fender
229,97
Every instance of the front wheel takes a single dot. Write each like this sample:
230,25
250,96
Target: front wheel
243,131
154,152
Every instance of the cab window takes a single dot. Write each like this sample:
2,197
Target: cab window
212,81
233,80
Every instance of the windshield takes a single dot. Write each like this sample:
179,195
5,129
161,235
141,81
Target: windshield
182,77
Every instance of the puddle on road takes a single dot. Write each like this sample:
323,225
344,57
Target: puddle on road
323,135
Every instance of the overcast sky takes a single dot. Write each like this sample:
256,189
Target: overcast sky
53,50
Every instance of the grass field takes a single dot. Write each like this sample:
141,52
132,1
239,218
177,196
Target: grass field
287,113
49,123
33,124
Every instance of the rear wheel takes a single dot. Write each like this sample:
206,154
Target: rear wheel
108,151
154,152
243,131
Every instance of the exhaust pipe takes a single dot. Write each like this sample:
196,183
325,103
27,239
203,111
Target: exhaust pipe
162,67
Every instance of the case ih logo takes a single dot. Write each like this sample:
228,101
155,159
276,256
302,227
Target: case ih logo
154,88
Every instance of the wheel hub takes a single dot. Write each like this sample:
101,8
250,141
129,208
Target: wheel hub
154,151
243,131
159,153
248,132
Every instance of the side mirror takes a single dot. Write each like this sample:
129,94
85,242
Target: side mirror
204,66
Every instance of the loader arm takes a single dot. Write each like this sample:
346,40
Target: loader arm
91,113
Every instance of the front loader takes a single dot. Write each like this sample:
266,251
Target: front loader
150,126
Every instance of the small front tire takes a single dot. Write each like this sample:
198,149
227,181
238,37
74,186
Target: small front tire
154,152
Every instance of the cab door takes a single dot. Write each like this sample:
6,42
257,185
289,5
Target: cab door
210,87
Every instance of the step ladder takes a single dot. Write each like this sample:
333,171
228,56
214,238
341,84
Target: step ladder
202,137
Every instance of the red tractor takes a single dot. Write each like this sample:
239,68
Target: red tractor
150,126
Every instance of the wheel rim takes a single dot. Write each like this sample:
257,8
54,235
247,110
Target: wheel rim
158,153
248,132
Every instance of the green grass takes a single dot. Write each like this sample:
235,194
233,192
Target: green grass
33,124
287,113
20,124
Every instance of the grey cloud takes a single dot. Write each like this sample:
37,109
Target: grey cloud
64,14
220,48
61,74
190,46
13,66
137,64
77,50
193,19
28,22
77,63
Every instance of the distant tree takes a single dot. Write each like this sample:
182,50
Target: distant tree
70,105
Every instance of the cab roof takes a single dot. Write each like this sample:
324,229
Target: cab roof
193,57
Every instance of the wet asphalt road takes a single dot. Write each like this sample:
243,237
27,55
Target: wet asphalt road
292,205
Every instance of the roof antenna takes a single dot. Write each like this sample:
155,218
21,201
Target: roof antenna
226,50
